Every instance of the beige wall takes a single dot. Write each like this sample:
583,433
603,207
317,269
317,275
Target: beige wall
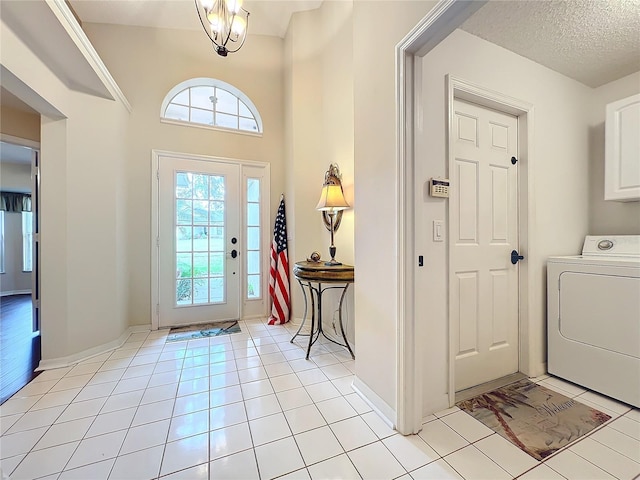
337,115
319,119
337,140
19,124
608,217
15,177
147,63
81,158
378,26
304,126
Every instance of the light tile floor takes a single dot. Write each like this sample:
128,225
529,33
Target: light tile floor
249,405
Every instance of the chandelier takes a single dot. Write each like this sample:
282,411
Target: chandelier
226,24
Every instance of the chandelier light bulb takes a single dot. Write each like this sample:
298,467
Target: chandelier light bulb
225,22
207,5
216,22
238,25
234,6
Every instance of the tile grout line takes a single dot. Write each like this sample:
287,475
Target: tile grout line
304,387
94,420
139,404
598,466
47,430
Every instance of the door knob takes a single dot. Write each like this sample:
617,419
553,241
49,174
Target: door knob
234,253
515,258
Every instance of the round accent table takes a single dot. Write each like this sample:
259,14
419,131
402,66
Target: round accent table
316,277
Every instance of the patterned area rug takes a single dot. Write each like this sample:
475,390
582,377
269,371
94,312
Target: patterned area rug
537,420
203,331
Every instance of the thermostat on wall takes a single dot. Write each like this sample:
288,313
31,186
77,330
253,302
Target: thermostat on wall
439,187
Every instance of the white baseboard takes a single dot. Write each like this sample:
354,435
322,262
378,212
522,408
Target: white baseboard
69,360
539,369
257,316
15,292
295,321
386,413
140,328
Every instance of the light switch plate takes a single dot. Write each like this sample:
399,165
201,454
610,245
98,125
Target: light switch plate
438,231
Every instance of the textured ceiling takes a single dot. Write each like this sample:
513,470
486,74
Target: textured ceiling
268,17
592,41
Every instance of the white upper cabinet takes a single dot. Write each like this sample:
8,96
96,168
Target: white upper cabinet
622,150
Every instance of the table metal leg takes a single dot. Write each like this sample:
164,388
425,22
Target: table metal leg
344,337
316,315
313,320
304,317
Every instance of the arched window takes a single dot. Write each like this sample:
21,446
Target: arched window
211,103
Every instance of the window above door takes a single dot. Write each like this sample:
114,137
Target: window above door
211,103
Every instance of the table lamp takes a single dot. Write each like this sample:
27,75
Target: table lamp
331,203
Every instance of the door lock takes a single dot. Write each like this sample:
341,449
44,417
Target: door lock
515,258
234,253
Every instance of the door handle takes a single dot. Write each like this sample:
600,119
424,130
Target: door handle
515,258
234,253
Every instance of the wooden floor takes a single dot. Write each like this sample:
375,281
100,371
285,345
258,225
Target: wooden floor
19,347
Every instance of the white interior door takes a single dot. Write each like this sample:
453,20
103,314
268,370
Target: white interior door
199,231
484,230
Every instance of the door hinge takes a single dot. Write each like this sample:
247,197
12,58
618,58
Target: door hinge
158,174
157,241
157,309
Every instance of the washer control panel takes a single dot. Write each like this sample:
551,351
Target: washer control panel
612,245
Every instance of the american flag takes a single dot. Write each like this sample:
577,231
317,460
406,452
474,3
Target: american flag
279,273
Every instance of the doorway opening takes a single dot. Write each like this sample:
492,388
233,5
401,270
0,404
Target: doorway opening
413,399
488,162
20,340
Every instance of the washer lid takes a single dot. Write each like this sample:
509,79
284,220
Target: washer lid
612,245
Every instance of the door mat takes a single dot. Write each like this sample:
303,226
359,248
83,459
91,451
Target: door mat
537,420
203,331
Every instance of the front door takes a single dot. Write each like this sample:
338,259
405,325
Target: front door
484,230
199,230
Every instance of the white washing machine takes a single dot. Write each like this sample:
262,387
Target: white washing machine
593,323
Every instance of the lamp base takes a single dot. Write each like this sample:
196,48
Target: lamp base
332,248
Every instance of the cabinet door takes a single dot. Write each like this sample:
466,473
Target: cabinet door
622,151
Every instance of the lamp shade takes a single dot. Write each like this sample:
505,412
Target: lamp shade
332,199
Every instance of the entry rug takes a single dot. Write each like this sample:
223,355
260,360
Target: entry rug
203,331
537,420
